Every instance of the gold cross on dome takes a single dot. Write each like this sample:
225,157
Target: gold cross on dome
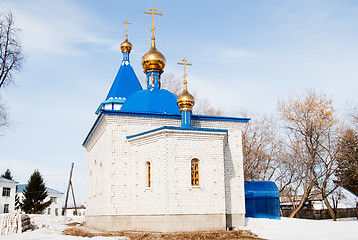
153,13
126,23
185,63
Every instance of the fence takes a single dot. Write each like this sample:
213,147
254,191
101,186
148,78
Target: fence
321,214
14,223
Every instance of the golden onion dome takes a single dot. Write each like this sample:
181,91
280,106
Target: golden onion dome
185,100
153,59
126,46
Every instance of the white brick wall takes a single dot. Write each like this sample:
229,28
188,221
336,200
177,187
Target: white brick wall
171,191
117,171
10,200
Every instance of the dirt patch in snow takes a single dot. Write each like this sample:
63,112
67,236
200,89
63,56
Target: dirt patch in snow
73,224
240,234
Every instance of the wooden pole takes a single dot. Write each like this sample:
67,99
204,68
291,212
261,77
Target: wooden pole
68,190
74,201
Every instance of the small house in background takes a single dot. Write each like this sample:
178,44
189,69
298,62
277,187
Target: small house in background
315,200
56,196
71,211
262,200
7,197
341,197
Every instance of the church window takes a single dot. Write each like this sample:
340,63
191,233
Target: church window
195,172
148,175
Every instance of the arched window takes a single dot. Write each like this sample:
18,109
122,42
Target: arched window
148,174
195,172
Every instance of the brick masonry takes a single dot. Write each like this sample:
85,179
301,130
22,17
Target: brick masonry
116,182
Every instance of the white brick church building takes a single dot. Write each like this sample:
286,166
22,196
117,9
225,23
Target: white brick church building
153,165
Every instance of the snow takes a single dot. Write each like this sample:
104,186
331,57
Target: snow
293,228
51,227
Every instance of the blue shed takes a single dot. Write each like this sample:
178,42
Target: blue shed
262,199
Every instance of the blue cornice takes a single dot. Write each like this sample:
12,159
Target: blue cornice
177,116
92,129
141,114
220,118
160,115
179,128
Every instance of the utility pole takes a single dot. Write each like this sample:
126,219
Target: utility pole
68,191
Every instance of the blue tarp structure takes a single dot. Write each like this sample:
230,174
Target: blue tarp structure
262,199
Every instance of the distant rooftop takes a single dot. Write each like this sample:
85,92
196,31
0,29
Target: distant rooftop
7,180
21,187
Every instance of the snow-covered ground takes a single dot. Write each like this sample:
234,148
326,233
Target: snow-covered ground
52,227
293,228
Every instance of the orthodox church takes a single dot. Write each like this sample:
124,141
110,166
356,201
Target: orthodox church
153,165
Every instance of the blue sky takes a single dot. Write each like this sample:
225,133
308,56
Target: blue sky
245,55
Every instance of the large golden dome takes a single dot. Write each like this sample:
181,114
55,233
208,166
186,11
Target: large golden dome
126,46
153,59
185,100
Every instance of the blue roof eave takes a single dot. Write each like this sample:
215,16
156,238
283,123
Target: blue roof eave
196,117
7,180
179,128
159,115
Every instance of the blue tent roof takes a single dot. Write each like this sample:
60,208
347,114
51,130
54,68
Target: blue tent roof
262,199
152,101
126,82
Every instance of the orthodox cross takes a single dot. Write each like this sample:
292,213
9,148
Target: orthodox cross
126,23
185,63
153,13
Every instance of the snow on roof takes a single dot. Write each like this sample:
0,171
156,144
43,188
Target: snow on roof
21,187
7,180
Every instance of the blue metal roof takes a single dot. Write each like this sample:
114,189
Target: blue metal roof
109,101
179,128
126,82
262,199
152,101
20,188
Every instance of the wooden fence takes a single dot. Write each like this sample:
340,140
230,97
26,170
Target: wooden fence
321,214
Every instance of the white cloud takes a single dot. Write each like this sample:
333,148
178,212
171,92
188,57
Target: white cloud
232,53
53,27
225,54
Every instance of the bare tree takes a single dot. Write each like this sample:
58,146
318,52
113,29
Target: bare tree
11,55
202,106
308,119
261,147
172,83
353,114
3,115
327,163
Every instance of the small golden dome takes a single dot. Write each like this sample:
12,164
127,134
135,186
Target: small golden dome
126,46
185,100
153,59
